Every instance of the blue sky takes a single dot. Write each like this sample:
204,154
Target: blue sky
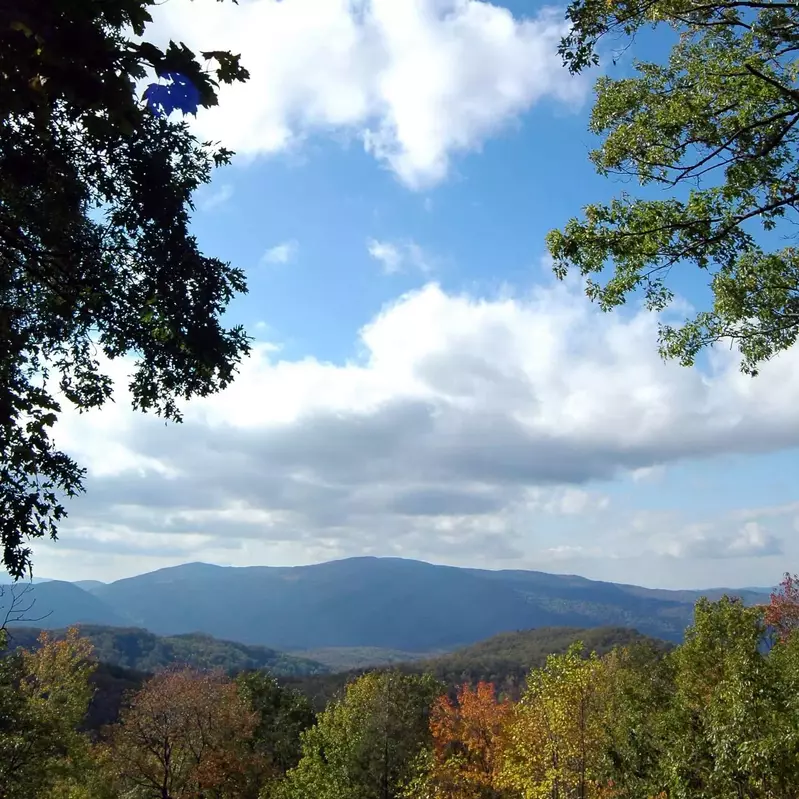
421,386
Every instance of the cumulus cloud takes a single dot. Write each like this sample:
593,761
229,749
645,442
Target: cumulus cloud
395,257
752,540
281,253
418,81
480,428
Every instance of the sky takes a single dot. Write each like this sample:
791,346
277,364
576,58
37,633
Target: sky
420,385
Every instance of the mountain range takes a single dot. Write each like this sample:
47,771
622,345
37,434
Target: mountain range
380,603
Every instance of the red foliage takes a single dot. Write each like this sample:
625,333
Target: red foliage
467,739
782,612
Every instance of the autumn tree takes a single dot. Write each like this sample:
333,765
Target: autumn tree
467,738
96,257
44,696
556,739
184,735
366,744
782,613
714,131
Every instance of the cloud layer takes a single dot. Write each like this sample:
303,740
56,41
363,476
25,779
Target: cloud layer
418,81
469,429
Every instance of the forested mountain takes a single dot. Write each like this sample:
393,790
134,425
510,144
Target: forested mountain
508,657
142,651
504,659
384,603
127,657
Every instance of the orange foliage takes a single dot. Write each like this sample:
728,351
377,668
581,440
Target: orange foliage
467,743
782,612
184,734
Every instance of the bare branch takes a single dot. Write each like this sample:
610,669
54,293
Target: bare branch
14,606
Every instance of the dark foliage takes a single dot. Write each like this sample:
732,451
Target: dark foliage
96,258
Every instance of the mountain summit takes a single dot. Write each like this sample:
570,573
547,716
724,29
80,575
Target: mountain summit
368,602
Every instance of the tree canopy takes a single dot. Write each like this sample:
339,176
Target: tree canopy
96,257
714,717
715,128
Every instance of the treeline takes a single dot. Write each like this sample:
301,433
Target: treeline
715,717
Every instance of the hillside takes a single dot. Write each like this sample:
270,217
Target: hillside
54,604
143,651
365,604
510,656
348,658
504,659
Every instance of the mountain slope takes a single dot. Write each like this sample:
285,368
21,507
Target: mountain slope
504,660
88,585
510,656
54,604
387,603
142,651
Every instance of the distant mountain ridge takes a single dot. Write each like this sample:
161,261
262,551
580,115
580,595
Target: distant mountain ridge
55,603
383,603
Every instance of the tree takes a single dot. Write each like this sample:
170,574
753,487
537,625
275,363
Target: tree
783,729
557,738
282,715
184,733
466,756
366,745
782,612
720,725
716,128
96,258
640,689
44,696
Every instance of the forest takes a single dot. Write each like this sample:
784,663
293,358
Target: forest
714,717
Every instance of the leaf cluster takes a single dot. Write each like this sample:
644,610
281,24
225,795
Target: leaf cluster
96,258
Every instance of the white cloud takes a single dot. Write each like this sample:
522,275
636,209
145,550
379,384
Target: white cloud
387,254
472,429
280,253
648,474
396,256
215,197
419,80
751,540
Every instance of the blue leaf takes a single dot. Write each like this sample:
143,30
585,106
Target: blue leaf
180,94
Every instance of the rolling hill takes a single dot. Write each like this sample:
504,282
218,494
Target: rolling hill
373,603
510,656
504,659
142,651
